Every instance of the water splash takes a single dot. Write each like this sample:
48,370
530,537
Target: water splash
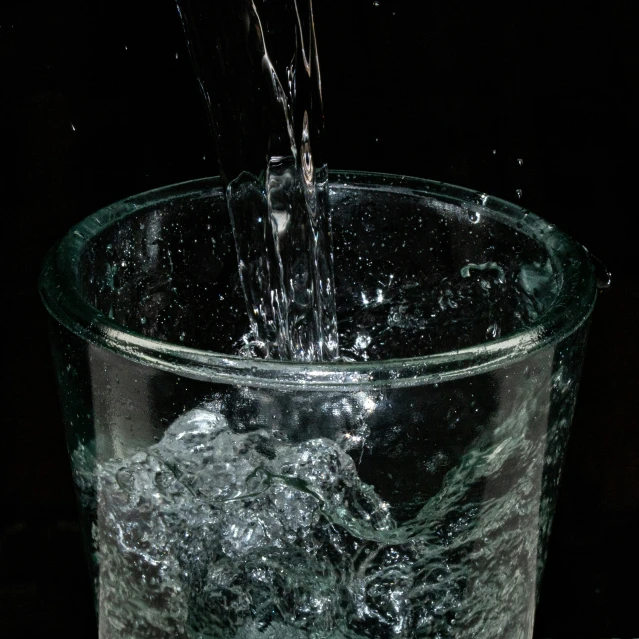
197,534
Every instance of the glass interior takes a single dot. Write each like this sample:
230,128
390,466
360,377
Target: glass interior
423,270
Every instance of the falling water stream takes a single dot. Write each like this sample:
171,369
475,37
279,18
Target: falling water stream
260,77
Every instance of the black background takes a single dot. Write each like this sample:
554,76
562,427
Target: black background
99,102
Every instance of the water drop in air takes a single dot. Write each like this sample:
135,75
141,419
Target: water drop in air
362,341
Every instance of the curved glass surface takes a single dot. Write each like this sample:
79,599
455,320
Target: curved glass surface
573,294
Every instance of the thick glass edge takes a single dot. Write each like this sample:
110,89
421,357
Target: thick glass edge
571,309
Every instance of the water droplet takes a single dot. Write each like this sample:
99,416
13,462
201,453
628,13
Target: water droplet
494,151
519,193
520,161
376,3
182,336
72,127
483,198
602,274
362,341
474,217
493,331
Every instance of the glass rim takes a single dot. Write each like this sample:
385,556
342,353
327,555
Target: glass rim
570,309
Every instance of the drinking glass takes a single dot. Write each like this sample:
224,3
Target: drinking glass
404,490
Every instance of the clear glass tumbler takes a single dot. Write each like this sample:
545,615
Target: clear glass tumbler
406,490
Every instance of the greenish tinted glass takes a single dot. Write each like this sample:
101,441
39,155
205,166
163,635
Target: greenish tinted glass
407,495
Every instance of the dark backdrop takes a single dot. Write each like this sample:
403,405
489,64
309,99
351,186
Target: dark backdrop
99,102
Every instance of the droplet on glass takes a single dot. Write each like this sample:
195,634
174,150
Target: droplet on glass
519,193
474,217
493,331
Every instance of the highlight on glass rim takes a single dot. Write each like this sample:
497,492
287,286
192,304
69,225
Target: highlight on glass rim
312,404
